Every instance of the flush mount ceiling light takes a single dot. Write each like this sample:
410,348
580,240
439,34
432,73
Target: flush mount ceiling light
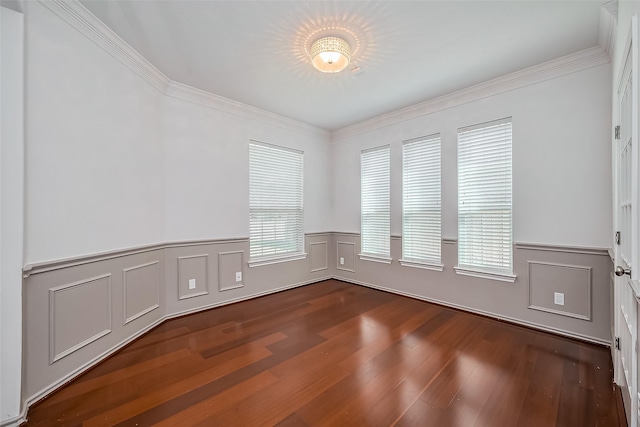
330,54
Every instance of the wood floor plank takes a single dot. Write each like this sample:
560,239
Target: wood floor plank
465,406
419,413
336,354
152,399
208,408
418,383
505,399
292,420
370,403
81,388
399,334
357,393
290,392
540,406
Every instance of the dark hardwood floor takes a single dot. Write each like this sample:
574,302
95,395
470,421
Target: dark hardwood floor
333,353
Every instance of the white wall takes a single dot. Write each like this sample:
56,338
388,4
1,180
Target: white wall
114,163
11,210
561,160
561,196
94,152
207,171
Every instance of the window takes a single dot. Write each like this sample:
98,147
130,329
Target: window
275,204
485,246
375,205
421,211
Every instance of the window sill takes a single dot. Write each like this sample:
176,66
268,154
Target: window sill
375,258
503,277
421,264
276,260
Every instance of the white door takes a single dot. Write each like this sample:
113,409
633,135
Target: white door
627,204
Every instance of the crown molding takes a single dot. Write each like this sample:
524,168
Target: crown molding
82,20
608,27
207,99
562,66
79,17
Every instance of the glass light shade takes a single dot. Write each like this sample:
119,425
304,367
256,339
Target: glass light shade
330,54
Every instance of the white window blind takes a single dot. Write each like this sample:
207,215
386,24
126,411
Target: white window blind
484,197
421,200
275,202
375,202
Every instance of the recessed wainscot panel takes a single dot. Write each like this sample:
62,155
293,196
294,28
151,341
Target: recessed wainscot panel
318,256
193,276
346,256
141,290
230,273
560,289
79,313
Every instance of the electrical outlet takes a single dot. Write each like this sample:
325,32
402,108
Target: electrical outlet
238,276
192,283
341,260
558,298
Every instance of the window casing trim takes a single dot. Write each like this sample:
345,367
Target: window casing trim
484,274
421,264
375,258
277,259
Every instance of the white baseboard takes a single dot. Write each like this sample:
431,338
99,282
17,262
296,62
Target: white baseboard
16,421
83,368
22,417
244,298
532,325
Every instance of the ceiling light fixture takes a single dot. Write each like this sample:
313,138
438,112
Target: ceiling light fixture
330,54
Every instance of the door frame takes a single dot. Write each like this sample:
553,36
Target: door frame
629,391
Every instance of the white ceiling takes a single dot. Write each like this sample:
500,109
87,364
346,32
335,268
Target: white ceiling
408,51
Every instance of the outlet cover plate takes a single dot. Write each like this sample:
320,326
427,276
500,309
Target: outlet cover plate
192,283
558,298
238,276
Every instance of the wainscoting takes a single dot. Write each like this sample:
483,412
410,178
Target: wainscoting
89,300
335,354
79,311
574,281
581,274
